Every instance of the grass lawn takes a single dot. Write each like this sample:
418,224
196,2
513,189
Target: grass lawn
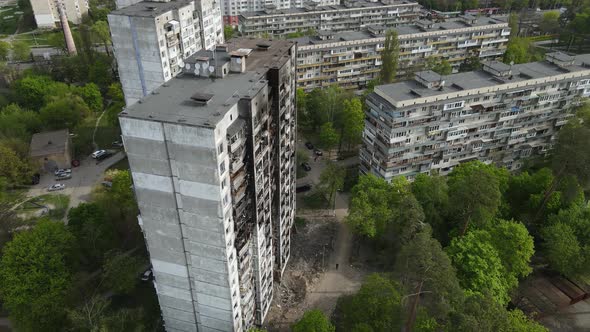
105,135
314,200
37,38
122,164
8,19
57,204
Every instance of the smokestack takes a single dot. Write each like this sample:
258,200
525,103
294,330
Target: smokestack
71,46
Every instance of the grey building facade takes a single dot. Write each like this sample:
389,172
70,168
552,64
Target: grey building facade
151,39
352,59
501,114
351,15
212,155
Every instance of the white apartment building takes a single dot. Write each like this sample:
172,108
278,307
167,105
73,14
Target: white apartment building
47,15
352,59
233,8
152,39
213,166
501,114
352,15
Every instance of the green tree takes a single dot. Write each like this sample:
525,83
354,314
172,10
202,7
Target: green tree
518,51
90,93
331,179
353,122
550,22
100,29
16,122
12,168
370,210
514,24
475,193
425,271
329,138
21,51
120,272
441,67
30,91
564,251
571,157
313,321
64,112
432,193
470,64
35,277
515,247
89,315
375,307
478,265
93,230
228,32
519,322
4,50
389,57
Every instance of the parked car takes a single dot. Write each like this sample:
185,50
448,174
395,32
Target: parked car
63,176
98,153
306,167
104,156
309,145
56,187
107,184
318,152
147,275
303,188
117,144
62,171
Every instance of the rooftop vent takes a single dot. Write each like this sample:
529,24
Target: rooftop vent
263,46
202,98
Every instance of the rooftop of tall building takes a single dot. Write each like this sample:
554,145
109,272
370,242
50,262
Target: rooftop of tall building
150,8
492,74
421,26
349,4
198,99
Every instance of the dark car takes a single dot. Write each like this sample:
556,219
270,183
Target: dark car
147,275
303,188
117,144
35,178
309,145
306,167
63,176
318,152
104,156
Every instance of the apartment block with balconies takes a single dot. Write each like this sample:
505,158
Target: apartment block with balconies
352,15
501,115
212,156
152,39
352,59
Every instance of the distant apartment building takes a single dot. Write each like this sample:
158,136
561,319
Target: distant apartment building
352,15
152,39
233,8
212,155
353,59
47,15
501,115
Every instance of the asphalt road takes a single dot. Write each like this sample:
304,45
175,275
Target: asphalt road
84,177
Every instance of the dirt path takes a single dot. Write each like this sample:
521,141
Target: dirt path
324,290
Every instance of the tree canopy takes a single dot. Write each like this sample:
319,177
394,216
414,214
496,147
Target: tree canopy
389,57
35,276
313,321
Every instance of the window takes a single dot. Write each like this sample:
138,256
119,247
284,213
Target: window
222,167
223,184
220,148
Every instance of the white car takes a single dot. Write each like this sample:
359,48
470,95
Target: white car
63,171
98,153
56,187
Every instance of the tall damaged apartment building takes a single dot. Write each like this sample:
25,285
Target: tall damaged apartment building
212,155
